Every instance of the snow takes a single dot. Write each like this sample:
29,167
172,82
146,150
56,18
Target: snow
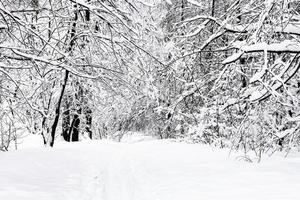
196,31
169,2
284,46
284,133
229,102
146,3
196,3
178,127
295,119
145,170
134,137
292,28
200,17
258,76
28,141
232,58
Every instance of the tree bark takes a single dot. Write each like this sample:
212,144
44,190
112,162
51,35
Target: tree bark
74,129
213,8
66,127
66,119
88,115
57,110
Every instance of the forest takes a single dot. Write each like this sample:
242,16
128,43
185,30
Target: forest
149,99
218,72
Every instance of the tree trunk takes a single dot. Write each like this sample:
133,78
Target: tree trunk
87,111
66,126
74,129
213,8
66,119
57,109
88,115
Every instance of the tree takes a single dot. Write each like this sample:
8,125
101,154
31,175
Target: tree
230,61
66,45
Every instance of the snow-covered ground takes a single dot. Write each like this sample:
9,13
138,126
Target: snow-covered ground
145,170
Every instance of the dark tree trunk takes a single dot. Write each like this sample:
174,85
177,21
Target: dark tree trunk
66,119
88,13
57,109
183,5
78,105
74,129
87,110
88,115
58,106
43,128
213,8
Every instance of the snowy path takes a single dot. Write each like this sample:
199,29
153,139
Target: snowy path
153,170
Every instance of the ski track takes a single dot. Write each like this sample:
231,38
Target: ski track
154,170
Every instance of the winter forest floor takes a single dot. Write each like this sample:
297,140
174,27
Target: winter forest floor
145,170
